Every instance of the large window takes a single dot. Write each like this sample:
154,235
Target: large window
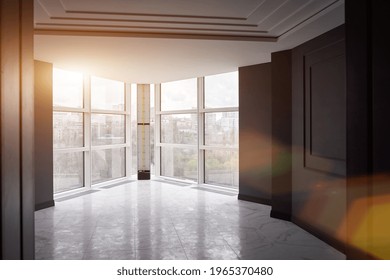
68,130
198,129
178,138
194,130
93,127
220,115
108,124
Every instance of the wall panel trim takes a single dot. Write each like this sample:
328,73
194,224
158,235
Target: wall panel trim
254,199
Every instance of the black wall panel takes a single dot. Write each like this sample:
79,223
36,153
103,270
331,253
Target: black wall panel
43,134
255,155
319,136
325,108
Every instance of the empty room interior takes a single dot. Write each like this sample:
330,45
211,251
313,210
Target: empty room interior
193,130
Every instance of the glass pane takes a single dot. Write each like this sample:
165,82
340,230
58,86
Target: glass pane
221,168
179,163
134,168
107,129
221,90
68,171
179,129
221,129
67,88
107,94
179,95
108,164
68,130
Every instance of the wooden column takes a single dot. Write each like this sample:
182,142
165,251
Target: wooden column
16,130
143,131
281,135
255,133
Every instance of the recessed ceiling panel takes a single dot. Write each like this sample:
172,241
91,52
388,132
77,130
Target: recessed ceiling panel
261,20
150,41
215,9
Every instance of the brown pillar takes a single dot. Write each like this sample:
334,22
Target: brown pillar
281,135
16,130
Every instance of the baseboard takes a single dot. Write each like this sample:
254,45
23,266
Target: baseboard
351,252
335,243
43,205
279,215
143,175
254,199
354,253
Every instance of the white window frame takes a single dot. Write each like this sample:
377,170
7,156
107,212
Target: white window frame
201,111
87,149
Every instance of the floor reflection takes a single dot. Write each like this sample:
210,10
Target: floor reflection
156,220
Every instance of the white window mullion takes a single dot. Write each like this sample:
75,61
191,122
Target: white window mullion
200,130
68,109
70,150
227,148
108,112
157,131
182,146
190,111
108,147
128,129
219,110
87,132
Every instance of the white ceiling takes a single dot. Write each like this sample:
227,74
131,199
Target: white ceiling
154,41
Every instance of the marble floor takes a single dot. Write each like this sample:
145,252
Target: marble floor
157,220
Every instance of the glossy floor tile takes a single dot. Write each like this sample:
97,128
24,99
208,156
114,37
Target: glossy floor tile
153,220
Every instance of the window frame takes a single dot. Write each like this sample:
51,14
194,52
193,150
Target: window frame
201,147
158,144
88,148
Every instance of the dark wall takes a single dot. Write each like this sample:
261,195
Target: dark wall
368,169
281,135
255,156
319,136
43,135
16,130
380,240
359,114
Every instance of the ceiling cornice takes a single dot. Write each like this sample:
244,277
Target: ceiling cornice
261,24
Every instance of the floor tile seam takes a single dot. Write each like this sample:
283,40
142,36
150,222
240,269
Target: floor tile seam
90,240
231,248
181,243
